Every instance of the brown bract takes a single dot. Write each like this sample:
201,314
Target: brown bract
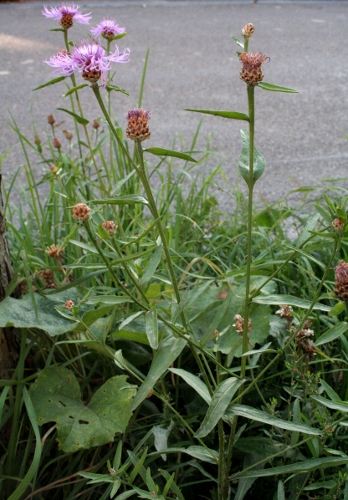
251,69
81,211
138,125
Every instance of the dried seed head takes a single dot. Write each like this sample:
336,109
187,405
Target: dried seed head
341,272
51,120
47,276
67,134
55,251
138,127
248,30
56,143
338,224
109,226
285,312
81,211
69,304
251,69
96,124
239,324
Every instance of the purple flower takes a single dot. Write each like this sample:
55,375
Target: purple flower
90,59
107,29
65,14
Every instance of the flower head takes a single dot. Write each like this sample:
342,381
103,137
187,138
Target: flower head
81,211
341,272
65,15
248,30
109,226
251,70
138,126
107,29
90,59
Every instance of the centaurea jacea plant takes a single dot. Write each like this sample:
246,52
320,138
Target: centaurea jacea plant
108,29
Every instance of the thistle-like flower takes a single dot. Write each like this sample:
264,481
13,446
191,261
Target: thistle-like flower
81,211
69,304
341,284
138,126
65,15
107,29
55,251
251,70
90,59
109,226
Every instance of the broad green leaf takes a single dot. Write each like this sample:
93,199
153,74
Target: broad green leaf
169,152
125,494
110,87
169,349
129,199
151,325
161,438
79,119
74,89
232,115
21,314
332,334
56,398
220,400
51,82
290,301
276,88
306,232
266,418
281,491
152,266
244,160
195,382
298,467
334,405
337,309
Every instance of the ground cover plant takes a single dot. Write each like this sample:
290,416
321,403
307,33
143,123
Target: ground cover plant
156,347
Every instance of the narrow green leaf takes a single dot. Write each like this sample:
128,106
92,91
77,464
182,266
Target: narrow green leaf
35,461
298,467
337,309
208,335
329,391
151,326
79,119
169,152
220,400
266,418
276,88
125,494
110,87
198,452
334,405
129,199
306,233
241,44
244,160
332,334
51,82
232,115
152,266
108,300
169,349
74,89
193,381
290,301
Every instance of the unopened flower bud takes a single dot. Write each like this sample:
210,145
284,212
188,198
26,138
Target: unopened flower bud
341,284
109,226
51,120
54,169
69,304
138,126
248,30
67,134
56,143
338,224
96,124
37,140
251,70
81,211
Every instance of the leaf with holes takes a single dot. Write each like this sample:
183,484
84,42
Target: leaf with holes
56,398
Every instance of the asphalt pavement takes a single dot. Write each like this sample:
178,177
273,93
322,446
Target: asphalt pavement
193,64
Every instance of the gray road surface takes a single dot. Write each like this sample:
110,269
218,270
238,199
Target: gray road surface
193,64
